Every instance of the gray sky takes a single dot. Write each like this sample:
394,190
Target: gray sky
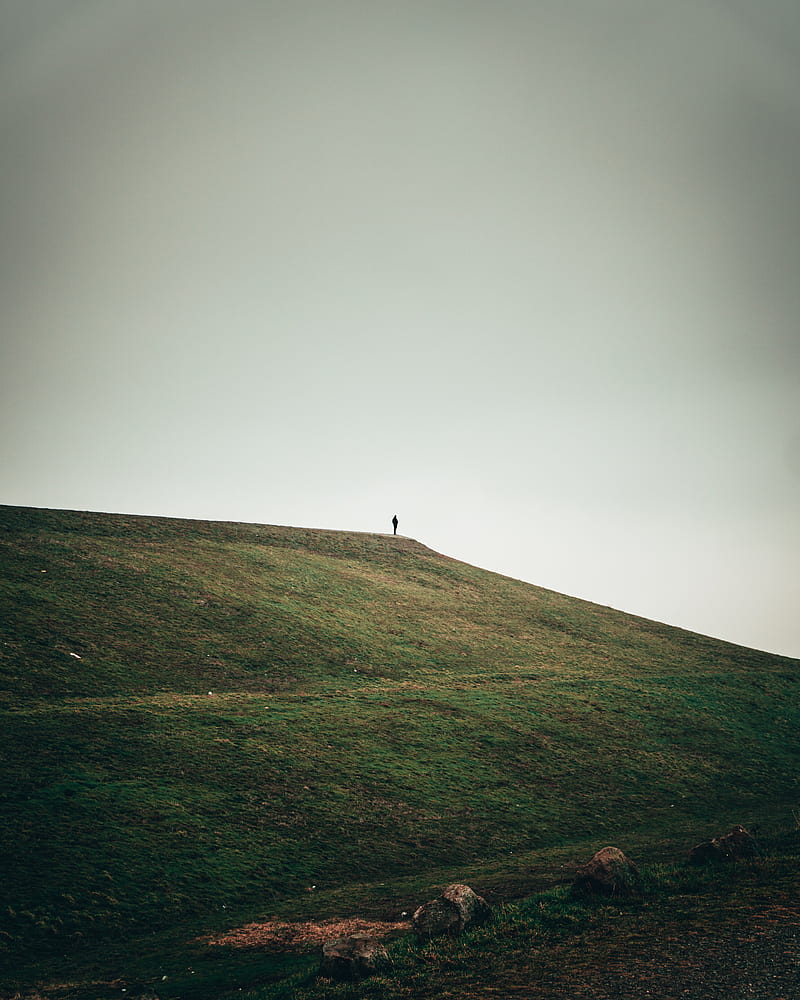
525,273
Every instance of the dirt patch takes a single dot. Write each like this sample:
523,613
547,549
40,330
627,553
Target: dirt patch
281,936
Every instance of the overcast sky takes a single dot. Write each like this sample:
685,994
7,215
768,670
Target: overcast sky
525,273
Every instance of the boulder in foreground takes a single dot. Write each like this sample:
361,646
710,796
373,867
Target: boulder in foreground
738,845
609,873
352,958
455,910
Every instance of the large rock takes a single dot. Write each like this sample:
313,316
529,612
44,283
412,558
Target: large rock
738,845
609,873
352,958
457,908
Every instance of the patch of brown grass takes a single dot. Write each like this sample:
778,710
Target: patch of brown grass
285,936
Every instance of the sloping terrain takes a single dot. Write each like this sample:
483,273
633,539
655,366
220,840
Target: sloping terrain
204,722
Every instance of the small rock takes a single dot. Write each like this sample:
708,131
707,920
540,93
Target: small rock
351,958
609,873
734,846
455,910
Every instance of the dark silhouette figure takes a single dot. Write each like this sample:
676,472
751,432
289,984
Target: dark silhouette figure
395,523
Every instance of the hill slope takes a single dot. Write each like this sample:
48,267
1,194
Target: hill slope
201,716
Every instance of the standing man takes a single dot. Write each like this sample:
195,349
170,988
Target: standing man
394,523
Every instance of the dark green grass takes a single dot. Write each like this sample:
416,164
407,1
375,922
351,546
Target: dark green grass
551,946
259,709
681,930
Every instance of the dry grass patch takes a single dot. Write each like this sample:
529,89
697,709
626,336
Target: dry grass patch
290,936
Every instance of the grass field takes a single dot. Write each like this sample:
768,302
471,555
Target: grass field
202,721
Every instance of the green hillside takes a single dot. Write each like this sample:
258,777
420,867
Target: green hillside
201,721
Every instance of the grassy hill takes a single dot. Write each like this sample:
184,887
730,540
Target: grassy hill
201,721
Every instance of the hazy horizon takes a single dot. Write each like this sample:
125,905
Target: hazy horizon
525,274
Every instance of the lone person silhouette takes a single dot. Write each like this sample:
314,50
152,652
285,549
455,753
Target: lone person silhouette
395,523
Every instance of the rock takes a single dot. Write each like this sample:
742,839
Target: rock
457,908
434,918
351,958
705,853
609,873
734,846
